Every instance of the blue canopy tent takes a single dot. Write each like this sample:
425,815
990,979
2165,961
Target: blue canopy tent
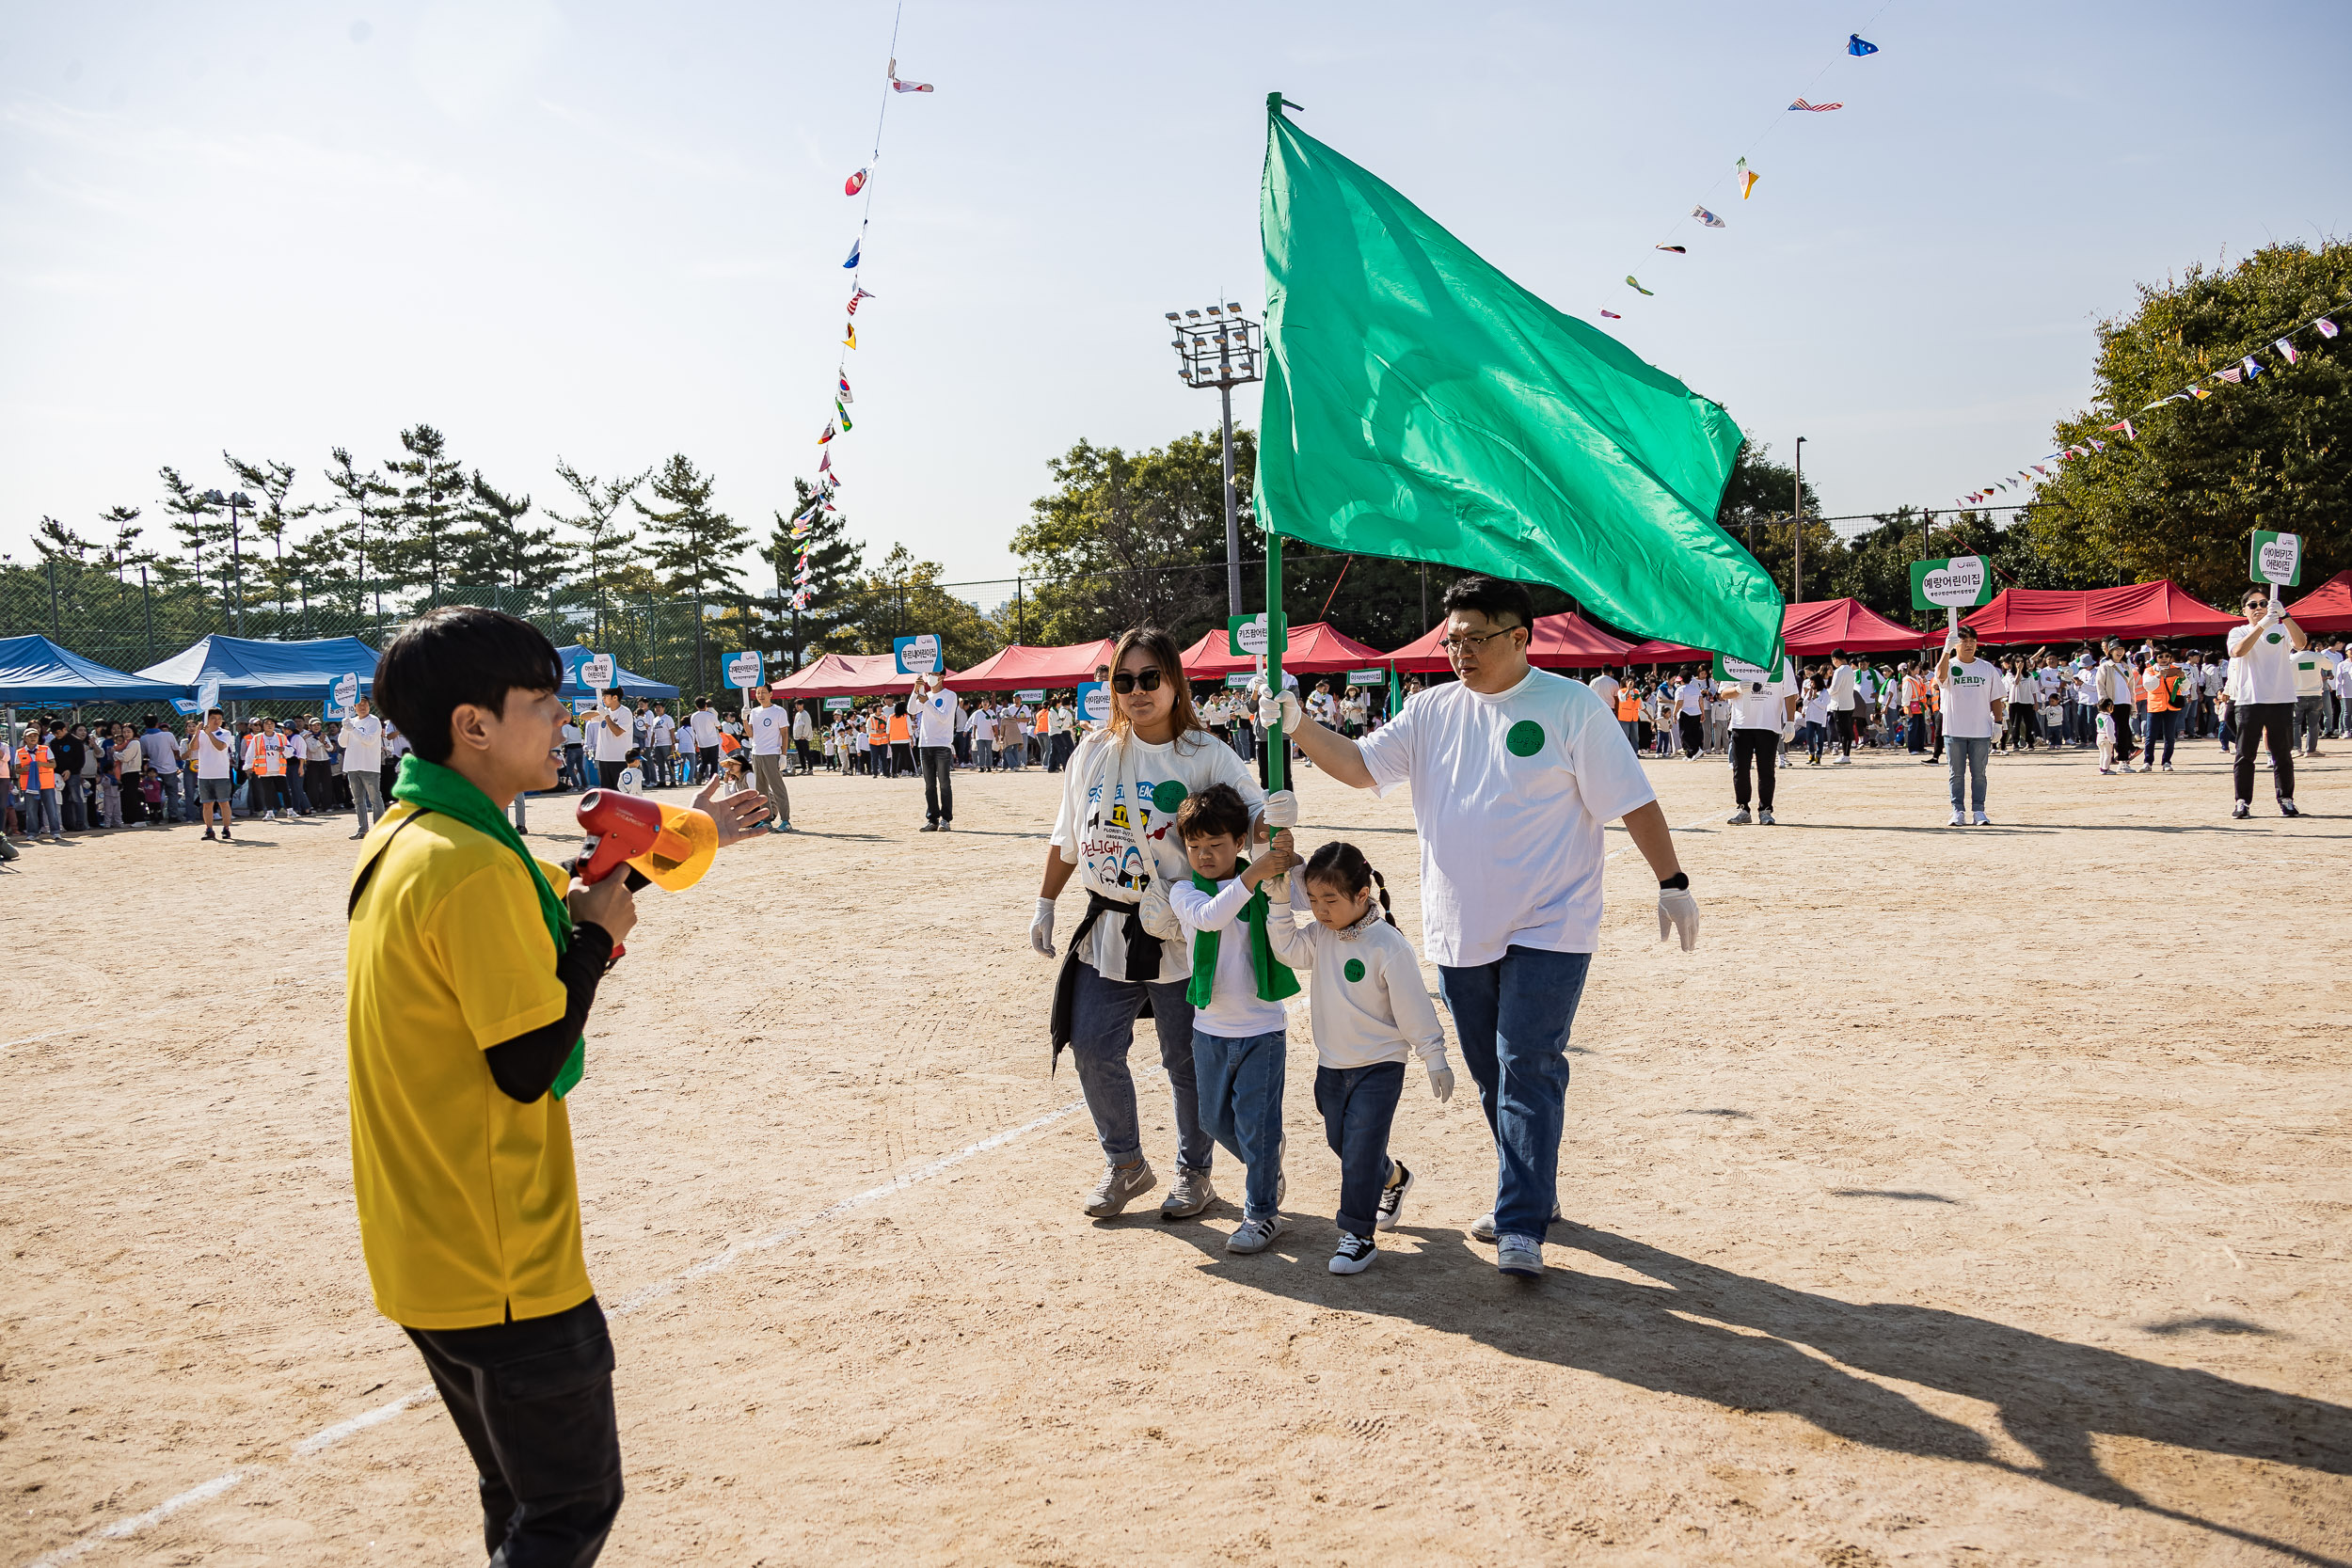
35,671
630,685
251,670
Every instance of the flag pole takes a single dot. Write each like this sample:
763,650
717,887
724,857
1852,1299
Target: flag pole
1278,749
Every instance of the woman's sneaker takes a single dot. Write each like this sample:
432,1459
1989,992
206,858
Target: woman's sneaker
1256,1235
1353,1256
1120,1188
1392,1205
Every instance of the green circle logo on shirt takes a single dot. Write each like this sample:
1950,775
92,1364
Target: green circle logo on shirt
1354,969
1526,738
2275,637
1169,796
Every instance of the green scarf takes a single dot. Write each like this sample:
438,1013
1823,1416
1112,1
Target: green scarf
1275,980
430,786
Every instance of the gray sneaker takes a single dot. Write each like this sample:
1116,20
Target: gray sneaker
1120,1188
1192,1192
1482,1227
1256,1235
1739,818
1765,819
1521,1256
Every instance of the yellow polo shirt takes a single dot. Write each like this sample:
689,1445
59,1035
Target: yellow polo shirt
469,1210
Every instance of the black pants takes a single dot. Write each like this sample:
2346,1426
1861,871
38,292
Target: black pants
2124,746
2277,720
1841,725
1764,747
609,774
708,755
1691,734
939,784
800,749
533,1401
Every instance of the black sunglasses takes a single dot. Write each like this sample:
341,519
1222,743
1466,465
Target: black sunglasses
1127,680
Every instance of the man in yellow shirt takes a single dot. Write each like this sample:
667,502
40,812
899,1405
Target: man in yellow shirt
471,981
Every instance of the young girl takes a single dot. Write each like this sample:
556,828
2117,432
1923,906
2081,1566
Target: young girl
1369,1005
2107,735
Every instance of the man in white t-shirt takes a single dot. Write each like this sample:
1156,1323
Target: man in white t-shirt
661,745
1975,704
1690,709
1761,706
2262,654
1841,707
1514,770
703,725
931,714
1606,686
613,729
363,762
770,727
804,738
215,749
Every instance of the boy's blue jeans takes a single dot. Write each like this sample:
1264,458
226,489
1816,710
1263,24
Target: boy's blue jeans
1512,1017
1241,1107
1359,1106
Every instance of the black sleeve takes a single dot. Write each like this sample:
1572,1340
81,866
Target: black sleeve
525,1067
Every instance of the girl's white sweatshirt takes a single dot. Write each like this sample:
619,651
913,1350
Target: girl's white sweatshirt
1364,986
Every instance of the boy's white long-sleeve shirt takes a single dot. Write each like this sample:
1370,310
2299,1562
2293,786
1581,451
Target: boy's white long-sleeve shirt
1372,1014
1234,1011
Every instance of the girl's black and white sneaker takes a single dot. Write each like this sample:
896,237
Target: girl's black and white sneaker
1353,1256
1392,1203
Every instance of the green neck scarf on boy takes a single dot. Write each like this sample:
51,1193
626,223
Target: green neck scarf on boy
1275,980
430,786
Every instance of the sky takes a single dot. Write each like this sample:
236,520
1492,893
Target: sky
610,232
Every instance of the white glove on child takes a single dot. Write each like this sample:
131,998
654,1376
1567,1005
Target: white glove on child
1042,929
1281,810
1441,1078
1678,913
1158,917
1284,712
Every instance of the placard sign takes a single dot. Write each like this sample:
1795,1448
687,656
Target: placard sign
917,656
1753,676
185,706
2277,559
595,673
208,695
1094,701
346,690
1248,637
840,704
746,671
1965,579
583,707
1034,695
1239,683
1367,677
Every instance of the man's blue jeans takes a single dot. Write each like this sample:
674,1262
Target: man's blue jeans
42,813
1970,753
1359,1106
1512,1017
1241,1107
1102,1032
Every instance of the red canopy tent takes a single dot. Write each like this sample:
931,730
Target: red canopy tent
1654,652
2326,608
1558,642
1316,649
2156,609
1021,667
848,675
1825,626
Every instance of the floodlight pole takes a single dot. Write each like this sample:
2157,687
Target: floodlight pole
1195,345
1796,576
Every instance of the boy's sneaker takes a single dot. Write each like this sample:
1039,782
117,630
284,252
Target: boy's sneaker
2286,807
1120,1188
1391,1207
2240,812
1482,1227
209,834
1256,1235
1192,1192
1521,1256
1353,1256
1739,818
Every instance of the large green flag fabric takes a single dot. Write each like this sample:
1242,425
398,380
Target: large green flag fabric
1421,404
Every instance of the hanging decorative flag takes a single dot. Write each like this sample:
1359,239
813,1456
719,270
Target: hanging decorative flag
854,245
2126,426
1801,106
1748,178
855,184
897,86
2285,349
845,391
1613,315
2199,392
1635,285
2232,375
2042,471
850,339
1858,46
2251,366
2327,327
857,295
824,463
827,436
844,414
1706,217
1678,250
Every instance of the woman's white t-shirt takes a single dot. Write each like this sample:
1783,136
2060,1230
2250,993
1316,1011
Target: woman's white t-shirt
1968,692
1509,793
1118,825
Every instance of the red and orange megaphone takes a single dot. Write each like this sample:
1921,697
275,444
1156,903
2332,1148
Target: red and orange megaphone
673,845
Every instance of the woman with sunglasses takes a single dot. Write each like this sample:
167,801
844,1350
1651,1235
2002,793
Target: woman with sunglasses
1119,795
2262,681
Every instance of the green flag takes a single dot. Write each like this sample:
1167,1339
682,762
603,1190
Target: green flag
1421,404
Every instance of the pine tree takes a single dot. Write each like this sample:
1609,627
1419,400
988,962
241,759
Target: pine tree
604,545
501,550
432,514
120,552
56,542
274,516
192,521
693,547
824,624
342,556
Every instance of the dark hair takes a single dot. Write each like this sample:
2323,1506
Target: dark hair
463,654
2106,705
1219,809
634,753
1492,597
1343,866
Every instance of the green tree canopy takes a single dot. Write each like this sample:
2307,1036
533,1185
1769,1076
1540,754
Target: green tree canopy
1127,541
693,545
432,514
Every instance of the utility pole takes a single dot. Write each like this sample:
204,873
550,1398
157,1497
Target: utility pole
148,598
1796,576
57,633
1020,614
1221,348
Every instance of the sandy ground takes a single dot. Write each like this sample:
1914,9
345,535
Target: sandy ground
1971,1196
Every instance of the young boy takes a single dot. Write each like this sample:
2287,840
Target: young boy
470,980
1237,989
632,779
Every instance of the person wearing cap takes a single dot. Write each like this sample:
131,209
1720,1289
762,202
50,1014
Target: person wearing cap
1975,707
2262,664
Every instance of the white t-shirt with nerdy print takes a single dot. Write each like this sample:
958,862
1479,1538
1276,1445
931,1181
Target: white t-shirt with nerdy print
1118,825
771,725
609,746
1509,794
1968,692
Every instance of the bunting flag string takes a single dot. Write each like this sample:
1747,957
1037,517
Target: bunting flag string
862,183
2239,375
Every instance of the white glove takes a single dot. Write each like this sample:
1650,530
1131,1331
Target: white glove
1678,913
2276,614
1158,917
1441,1078
1042,929
1283,712
1281,810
